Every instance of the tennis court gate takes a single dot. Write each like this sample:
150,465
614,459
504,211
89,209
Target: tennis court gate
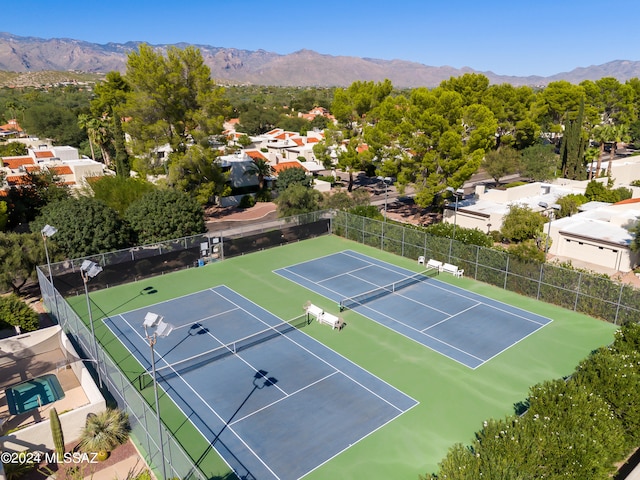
594,295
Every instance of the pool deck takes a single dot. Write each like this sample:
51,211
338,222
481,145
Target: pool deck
31,367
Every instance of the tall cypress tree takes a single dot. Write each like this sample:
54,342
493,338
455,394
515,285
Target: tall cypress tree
123,166
572,148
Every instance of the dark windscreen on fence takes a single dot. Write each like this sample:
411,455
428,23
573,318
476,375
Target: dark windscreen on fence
273,238
130,265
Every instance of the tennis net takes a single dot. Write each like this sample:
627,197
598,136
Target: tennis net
191,363
385,290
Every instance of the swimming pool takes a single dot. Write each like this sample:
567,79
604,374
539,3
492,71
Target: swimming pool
34,393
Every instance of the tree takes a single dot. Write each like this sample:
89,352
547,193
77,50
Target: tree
16,313
119,192
86,226
164,214
123,164
36,190
172,100
293,176
539,163
353,103
572,148
20,253
13,149
521,223
198,173
53,121
85,122
297,199
501,162
569,204
262,169
4,215
601,134
598,192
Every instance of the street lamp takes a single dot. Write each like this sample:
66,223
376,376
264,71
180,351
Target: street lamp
456,193
162,329
386,181
88,270
49,231
552,213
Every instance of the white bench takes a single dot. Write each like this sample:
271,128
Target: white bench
434,264
315,311
330,319
452,269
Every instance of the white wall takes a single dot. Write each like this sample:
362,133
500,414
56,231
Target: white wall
38,437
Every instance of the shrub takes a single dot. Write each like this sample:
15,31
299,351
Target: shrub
247,201
104,431
264,196
14,312
514,184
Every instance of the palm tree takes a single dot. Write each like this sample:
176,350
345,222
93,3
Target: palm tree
618,133
262,169
600,134
85,122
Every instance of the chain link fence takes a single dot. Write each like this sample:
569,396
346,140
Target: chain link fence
130,265
142,418
593,295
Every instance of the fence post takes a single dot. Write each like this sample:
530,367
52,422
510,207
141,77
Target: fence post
475,274
506,272
615,320
540,281
575,304
404,229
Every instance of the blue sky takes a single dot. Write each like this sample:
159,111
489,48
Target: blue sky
518,37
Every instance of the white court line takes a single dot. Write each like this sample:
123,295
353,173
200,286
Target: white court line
454,292
506,310
324,361
179,376
226,426
425,334
453,316
343,274
204,319
204,436
405,325
285,397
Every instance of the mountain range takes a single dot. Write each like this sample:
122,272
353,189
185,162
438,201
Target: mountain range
301,68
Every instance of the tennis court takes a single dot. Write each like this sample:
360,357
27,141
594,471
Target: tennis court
464,326
275,404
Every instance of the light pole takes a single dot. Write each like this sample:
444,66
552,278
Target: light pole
386,181
88,270
552,213
456,193
49,231
162,329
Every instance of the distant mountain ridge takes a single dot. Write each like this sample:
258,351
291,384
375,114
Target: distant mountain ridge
301,68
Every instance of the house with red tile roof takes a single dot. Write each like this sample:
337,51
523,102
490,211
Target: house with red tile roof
63,162
11,129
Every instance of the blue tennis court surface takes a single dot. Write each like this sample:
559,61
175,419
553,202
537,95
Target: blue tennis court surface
279,407
464,326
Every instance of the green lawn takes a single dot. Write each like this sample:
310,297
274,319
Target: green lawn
454,400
